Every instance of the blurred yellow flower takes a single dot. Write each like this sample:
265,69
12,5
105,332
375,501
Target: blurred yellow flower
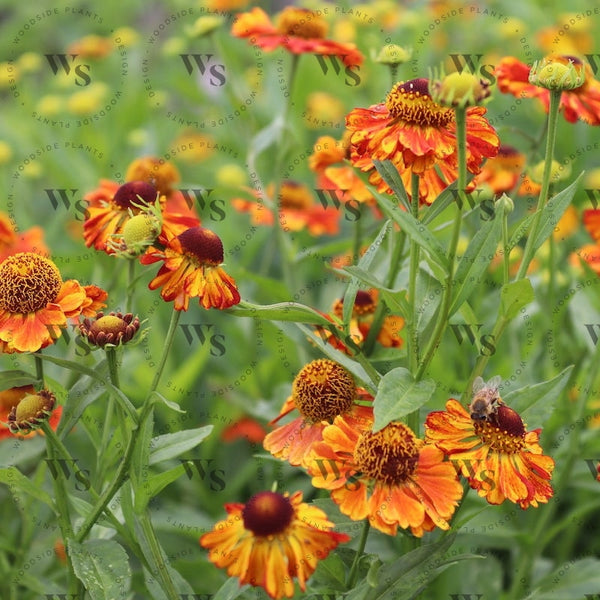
192,147
30,62
5,152
592,179
512,27
567,225
138,138
49,105
205,25
87,101
126,36
231,175
33,170
344,31
9,74
174,46
323,109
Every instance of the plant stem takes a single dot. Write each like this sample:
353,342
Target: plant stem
413,342
60,499
130,285
353,576
440,326
39,367
166,349
506,253
543,197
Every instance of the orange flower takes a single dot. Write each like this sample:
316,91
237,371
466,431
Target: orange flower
361,320
297,210
329,152
191,269
91,46
35,303
499,458
12,242
9,399
502,172
298,30
245,428
418,136
322,390
590,253
581,103
270,540
390,477
111,205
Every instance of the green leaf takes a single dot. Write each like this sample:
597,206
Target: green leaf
103,567
526,401
475,260
171,445
230,590
363,264
514,296
417,232
440,204
157,483
16,378
282,311
574,579
266,137
521,231
390,175
398,395
406,577
330,574
168,403
17,482
553,211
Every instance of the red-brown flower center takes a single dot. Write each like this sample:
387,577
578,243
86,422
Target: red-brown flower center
411,102
28,282
364,304
127,195
388,456
267,513
505,433
204,245
302,23
322,390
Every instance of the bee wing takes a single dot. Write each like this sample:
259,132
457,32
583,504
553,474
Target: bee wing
495,382
478,384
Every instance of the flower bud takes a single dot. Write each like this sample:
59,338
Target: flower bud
558,72
31,412
458,89
392,54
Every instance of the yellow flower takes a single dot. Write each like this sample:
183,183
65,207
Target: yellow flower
5,152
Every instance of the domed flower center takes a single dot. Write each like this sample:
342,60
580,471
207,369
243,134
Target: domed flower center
294,196
267,513
322,390
302,23
28,282
506,435
388,456
31,411
108,324
411,102
134,192
202,245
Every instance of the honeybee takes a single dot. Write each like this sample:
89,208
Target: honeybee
486,399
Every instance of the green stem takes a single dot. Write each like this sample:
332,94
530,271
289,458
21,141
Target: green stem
543,197
394,74
39,367
505,244
357,235
166,349
440,326
130,285
413,342
60,499
353,576
157,556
